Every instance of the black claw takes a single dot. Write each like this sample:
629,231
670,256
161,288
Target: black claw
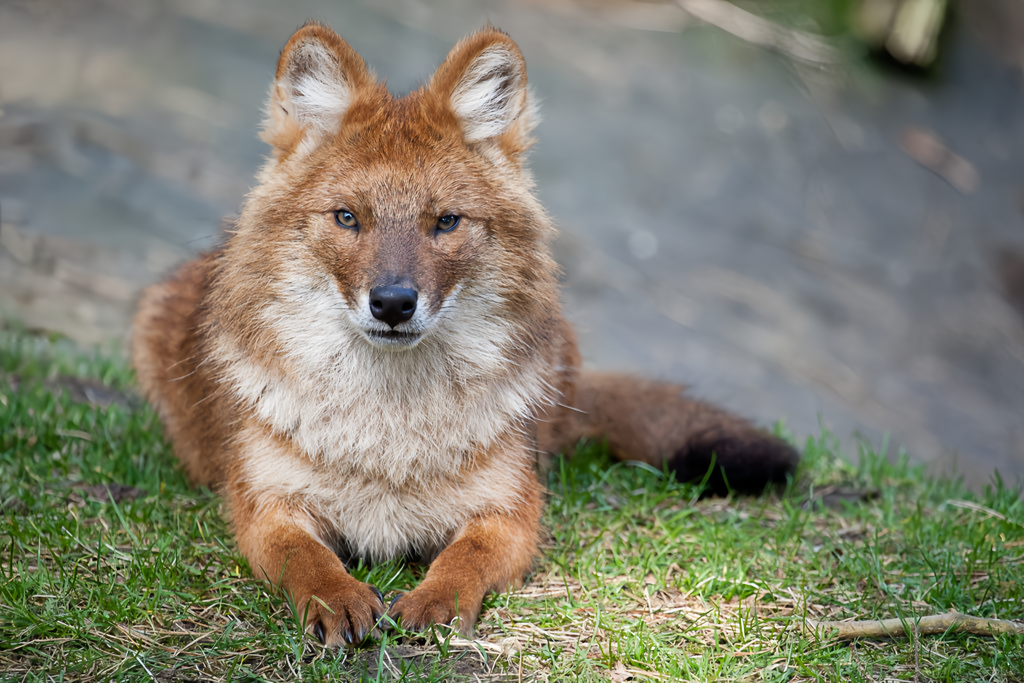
376,591
358,632
318,631
347,636
395,599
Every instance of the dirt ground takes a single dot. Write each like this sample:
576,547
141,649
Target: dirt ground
759,228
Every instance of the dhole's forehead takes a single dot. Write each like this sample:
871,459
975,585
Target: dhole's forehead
381,182
397,156
397,128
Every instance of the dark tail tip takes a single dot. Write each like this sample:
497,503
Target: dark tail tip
744,462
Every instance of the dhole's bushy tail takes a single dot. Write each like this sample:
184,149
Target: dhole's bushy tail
654,422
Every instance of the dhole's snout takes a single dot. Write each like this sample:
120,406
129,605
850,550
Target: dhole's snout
393,304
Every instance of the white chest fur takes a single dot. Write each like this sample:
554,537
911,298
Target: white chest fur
399,415
374,518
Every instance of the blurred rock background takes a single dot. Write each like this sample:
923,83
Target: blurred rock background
758,199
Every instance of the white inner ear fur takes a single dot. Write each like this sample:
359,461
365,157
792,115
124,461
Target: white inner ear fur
313,90
491,95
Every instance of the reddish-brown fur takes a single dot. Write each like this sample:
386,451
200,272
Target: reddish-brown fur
332,432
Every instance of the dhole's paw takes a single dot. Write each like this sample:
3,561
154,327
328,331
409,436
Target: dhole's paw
426,605
351,613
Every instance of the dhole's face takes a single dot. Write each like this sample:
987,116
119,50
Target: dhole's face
398,224
389,215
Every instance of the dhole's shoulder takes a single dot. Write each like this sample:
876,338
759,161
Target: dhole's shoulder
168,316
172,369
176,298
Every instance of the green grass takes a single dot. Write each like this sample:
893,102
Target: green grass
638,575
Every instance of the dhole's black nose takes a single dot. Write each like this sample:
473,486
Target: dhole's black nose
393,304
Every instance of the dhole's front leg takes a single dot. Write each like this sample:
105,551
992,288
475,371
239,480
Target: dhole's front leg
491,553
281,545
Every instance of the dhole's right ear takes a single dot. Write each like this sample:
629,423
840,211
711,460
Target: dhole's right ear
318,76
483,83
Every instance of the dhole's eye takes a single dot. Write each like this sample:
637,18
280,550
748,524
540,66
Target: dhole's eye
346,219
447,223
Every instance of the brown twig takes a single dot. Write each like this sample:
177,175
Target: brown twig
759,31
893,628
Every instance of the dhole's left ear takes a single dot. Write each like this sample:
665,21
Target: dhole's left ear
483,81
318,77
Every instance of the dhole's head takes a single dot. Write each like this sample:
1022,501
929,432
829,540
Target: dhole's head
387,218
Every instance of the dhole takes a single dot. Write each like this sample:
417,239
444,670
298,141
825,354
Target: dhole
370,362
